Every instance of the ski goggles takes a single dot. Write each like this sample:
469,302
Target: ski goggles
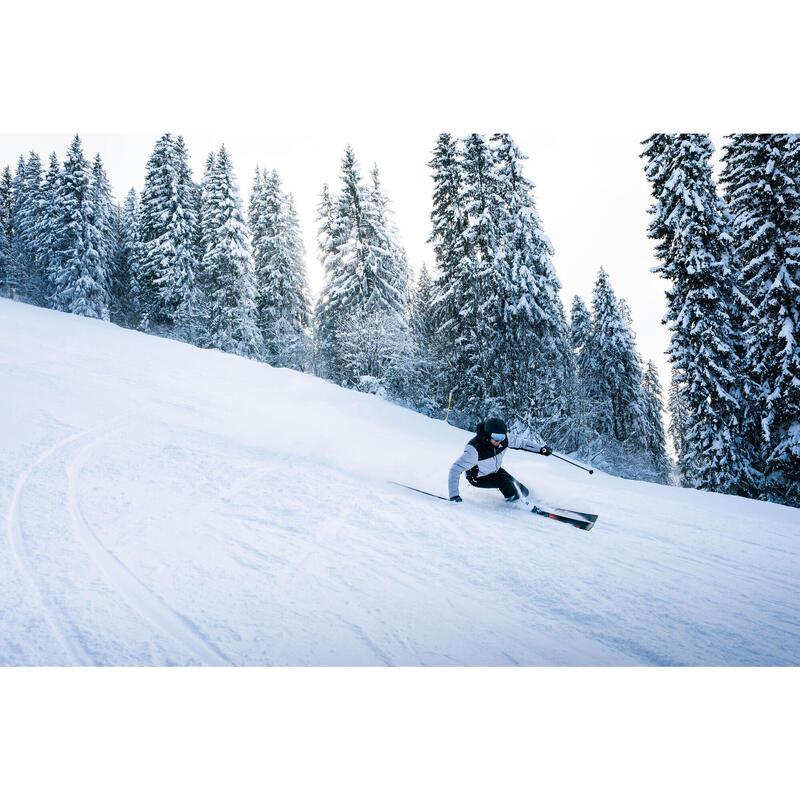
498,437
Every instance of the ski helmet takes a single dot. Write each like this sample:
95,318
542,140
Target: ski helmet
495,425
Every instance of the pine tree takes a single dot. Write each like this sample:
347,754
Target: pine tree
678,415
26,221
6,200
331,308
694,250
385,265
8,268
5,258
762,189
422,318
532,343
612,372
125,289
17,274
582,413
168,237
654,417
282,302
104,218
227,274
294,333
483,278
449,222
580,325
47,230
427,386
80,279
366,277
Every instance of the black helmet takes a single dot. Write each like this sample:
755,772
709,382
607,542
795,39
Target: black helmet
495,425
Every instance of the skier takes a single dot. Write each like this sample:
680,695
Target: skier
482,459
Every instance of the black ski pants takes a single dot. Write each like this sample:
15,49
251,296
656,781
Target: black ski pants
501,480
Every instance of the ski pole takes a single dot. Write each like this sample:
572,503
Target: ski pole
590,471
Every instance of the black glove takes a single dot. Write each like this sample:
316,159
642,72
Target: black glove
455,499
545,451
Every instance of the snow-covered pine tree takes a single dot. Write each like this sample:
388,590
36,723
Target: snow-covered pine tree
6,199
80,280
331,308
254,216
385,263
282,302
386,274
104,219
295,332
47,229
5,258
125,289
365,277
449,222
17,274
168,237
153,216
611,371
426,389
227,274
678,415
580,330
7,267
694,247
482,284
762,188
580,326
532,343
654,418
31,287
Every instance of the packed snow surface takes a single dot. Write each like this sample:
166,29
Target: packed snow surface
170,505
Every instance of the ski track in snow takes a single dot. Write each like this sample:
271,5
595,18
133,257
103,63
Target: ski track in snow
63,631
140,599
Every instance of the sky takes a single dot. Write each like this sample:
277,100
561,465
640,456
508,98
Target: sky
591,194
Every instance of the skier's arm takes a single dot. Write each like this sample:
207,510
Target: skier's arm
469,458
518,443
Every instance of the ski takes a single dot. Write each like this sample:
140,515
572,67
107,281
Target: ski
585,521
582,514
585,524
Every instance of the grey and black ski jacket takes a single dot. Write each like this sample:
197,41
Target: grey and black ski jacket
481,457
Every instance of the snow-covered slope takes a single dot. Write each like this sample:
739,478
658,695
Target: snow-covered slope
169,505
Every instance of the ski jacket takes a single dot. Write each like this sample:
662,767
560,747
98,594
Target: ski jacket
481,457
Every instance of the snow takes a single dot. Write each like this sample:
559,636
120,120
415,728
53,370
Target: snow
168,505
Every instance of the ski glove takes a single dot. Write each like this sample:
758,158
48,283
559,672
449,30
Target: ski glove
456,499
545,451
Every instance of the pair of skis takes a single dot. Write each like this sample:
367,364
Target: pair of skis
577,519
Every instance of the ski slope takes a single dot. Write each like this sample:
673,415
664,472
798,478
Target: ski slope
166,505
